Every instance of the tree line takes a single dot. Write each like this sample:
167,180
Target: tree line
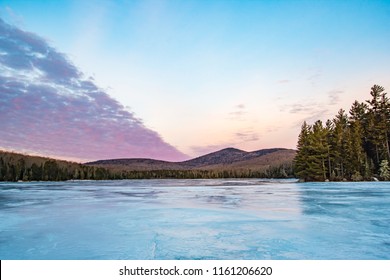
17,167
280,171
352,146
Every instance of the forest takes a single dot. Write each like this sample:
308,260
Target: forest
353,146
18,167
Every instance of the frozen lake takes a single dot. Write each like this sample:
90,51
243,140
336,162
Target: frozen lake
194,219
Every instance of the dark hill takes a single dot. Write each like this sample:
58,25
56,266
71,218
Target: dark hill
230,159
224,156
226,163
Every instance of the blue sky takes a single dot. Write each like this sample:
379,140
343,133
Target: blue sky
211,74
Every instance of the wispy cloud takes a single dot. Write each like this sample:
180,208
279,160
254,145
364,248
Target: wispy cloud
238,113
47,106
311,112
14,17
301,108
247,136
271,129
206,149
334,96
319,115
314,75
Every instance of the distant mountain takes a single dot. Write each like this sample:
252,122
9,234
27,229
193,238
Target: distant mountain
231,156
226,159
226,163
260,160
225,156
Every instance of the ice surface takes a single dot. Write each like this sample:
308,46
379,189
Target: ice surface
194,219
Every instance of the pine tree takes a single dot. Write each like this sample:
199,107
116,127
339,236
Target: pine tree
378,125
348,147
384,170
330,139
356,120
318,152
36,172
340,145
301,164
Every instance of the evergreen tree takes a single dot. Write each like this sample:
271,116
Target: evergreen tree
358,157
36,172
348,147
384,170
301,163
317,152
340,148
51,171
378,124
330,139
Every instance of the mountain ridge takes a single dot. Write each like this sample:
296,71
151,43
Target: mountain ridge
228,158
226,163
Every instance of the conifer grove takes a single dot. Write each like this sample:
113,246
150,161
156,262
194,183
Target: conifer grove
352,146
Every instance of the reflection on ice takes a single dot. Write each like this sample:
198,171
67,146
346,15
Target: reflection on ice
194,219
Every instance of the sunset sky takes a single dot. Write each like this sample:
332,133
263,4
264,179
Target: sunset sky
182,78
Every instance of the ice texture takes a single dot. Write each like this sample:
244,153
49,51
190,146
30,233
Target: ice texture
194,219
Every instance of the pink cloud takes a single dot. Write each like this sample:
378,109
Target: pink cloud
49,108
